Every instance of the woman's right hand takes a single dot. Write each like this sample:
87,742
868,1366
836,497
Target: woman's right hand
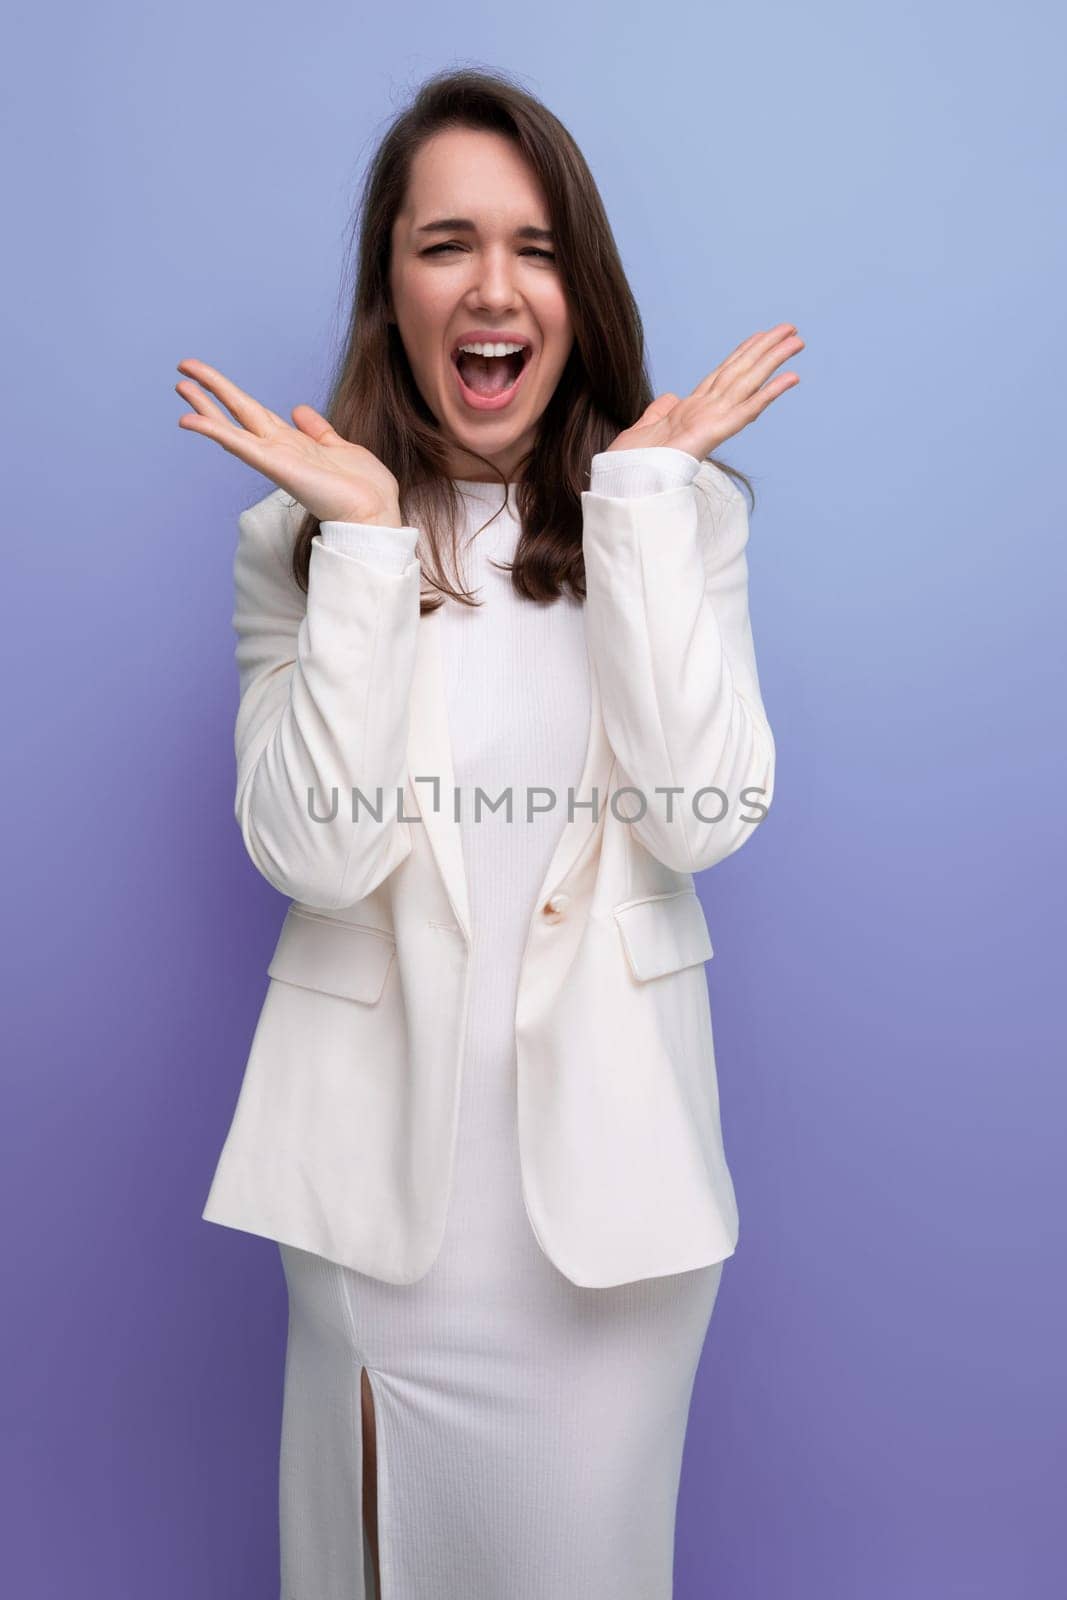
333,479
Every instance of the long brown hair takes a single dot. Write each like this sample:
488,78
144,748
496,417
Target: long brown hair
375,402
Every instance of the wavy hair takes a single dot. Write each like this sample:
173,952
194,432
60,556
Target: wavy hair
374,400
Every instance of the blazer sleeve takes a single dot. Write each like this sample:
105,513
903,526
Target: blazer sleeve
325,682
667,620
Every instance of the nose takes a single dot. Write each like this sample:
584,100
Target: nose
494,276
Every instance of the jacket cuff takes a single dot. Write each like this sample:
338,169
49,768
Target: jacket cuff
620,473
391,549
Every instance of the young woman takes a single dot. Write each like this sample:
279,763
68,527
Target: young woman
480,1112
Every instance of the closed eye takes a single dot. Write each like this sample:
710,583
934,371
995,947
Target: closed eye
531,251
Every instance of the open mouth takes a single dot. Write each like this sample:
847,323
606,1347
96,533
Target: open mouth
486,383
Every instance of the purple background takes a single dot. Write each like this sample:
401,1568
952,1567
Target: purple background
879,1412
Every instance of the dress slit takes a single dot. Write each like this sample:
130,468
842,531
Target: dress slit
373,1591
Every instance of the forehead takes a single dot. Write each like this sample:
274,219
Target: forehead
467,172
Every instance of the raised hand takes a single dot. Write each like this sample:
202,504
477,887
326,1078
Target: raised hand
330,477
723,403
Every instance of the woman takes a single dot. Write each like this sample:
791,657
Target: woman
495,1319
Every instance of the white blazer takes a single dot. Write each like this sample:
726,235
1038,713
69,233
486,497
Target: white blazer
344,1129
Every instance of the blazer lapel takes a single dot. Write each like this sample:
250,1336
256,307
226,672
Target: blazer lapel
429,758
578,832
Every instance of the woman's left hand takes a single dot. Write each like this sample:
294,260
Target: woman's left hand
723,403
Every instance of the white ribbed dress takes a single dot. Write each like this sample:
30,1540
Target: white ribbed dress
529,1430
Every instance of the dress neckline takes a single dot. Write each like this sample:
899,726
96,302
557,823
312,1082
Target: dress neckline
489,494
486,483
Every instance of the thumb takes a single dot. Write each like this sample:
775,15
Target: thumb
311,422
661,407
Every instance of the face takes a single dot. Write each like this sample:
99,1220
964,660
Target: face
485,277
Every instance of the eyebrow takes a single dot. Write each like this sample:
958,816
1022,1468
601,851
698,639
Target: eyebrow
465,225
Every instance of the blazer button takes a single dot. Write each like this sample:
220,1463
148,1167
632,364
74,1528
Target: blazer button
557,904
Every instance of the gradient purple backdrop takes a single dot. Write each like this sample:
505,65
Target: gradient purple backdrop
879,1413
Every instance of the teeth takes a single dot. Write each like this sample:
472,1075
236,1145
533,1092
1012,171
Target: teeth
491,349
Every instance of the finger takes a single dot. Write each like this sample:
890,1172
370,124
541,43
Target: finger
777,342
759,402
739,416
706,382
661,407
748,350
746,344
200,401
259,418
315,425
747,380
235,440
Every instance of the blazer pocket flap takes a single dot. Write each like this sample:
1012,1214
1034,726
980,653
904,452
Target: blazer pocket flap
663,933
333,957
